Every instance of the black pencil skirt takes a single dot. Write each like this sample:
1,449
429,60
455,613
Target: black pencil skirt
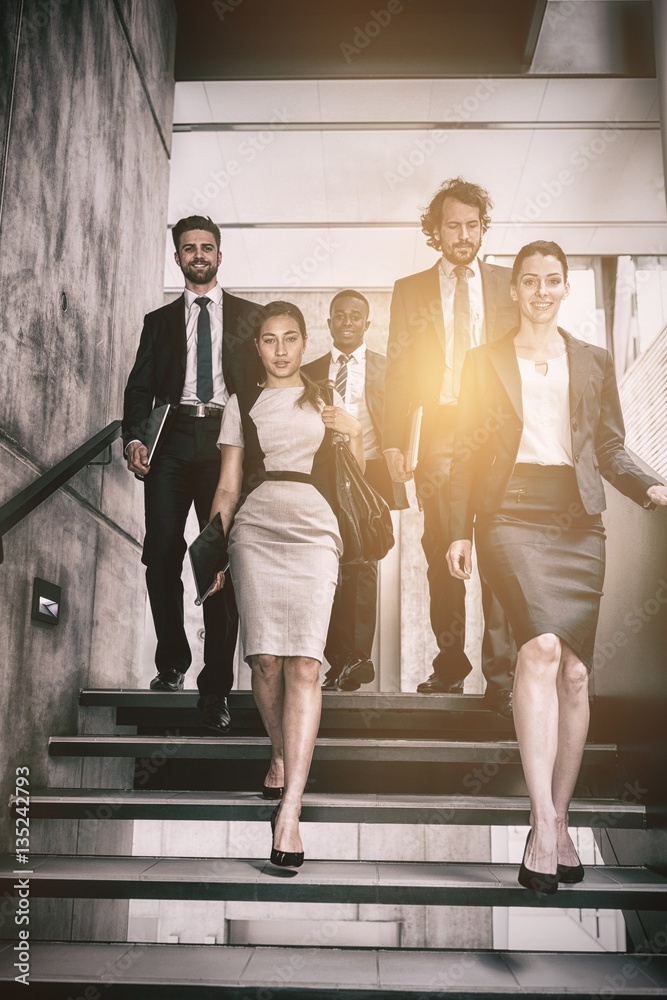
544,556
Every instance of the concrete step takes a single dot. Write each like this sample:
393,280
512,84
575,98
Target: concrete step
360,712
326,749
464,810
386,882
172,972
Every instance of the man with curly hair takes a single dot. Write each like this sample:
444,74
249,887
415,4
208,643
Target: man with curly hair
436,315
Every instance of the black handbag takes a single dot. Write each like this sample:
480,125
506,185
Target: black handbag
364,519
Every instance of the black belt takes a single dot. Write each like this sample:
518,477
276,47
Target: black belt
200,410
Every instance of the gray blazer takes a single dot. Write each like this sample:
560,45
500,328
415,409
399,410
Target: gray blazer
490,424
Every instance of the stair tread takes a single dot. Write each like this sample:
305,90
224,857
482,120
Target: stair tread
361,701
417,882
324,807
402,971
326,748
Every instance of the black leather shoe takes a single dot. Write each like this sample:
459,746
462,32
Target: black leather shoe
355,673
168,680
215,713
500,702
283,859
570,874
272,791
434,685
330,684
544,882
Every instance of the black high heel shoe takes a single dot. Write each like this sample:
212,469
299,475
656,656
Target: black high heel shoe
543,882
273,791
283,859
570,874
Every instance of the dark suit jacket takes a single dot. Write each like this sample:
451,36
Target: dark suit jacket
378,477
490,424
158,373
416,346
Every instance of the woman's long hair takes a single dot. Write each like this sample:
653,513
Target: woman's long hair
313,392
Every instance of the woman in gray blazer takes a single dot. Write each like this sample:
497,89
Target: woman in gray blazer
539,422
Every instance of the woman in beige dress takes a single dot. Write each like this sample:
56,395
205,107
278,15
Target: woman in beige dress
274,498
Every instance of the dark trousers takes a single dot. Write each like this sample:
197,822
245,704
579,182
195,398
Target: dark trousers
186,471
447,595
353,615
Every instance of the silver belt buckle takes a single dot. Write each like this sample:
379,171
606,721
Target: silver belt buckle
200,409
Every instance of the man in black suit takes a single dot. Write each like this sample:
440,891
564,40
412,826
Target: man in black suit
436,315
358,375
194,352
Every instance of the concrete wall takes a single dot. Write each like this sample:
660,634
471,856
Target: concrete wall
85,125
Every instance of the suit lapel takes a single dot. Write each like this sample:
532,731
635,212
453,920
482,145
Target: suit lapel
176,330
579,360
430,293
503,357
490,293
319,371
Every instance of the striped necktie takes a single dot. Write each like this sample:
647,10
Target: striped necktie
204,353
341,376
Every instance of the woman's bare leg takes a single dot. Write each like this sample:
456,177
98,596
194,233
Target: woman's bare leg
573,718
300,723
536,723
268,688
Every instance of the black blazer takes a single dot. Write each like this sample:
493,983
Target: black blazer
158,373
416,346
490,424
378,476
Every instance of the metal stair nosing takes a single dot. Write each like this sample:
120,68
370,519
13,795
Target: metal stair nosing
462,810
369,882
497,752
171,972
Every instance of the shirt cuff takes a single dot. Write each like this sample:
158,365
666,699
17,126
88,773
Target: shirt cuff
133,441
392,451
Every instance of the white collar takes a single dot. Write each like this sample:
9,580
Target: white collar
358,355
214,294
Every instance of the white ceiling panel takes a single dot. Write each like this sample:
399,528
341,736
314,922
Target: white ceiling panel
483,99
599,100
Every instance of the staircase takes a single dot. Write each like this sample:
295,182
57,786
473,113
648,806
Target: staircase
398,759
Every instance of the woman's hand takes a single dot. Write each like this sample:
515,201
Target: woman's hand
219,583
457,551
340,421
658,494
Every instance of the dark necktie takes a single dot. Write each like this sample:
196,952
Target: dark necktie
461,323
204,353
341,376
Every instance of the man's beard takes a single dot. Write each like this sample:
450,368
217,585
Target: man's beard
462,254
200,275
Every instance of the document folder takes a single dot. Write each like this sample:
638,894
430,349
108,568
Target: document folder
208,555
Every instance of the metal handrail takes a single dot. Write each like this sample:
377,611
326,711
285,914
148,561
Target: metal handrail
32,496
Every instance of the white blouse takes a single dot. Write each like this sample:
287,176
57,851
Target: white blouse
546,436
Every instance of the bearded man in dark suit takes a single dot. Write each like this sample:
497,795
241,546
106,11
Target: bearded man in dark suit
358,375
194,353
436,315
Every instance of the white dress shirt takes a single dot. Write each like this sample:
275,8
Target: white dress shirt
477,333
220,394
355,395
546,436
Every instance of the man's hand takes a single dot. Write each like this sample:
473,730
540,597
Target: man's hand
457,552
137,458
396,464
658,495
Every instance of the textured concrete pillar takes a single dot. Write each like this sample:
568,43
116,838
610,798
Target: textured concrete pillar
660,42
86,97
